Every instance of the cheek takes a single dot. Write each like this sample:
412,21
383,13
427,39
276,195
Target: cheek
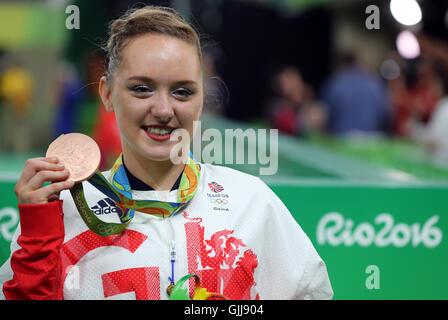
190,114
128,109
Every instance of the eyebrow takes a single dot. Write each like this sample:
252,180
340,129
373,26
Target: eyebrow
149,80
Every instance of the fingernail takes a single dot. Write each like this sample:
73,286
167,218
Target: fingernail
65,171
54,159
60,165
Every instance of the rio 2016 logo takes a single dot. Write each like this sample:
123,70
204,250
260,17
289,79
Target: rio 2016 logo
9,218
335,230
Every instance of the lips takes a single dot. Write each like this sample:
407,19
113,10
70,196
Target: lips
158,132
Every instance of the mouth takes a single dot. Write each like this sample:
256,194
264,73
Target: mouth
158,132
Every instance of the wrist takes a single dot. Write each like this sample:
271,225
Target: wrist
41,219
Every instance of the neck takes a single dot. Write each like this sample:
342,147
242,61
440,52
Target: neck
160,175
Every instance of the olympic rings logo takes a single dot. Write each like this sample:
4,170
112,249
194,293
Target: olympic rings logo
219,202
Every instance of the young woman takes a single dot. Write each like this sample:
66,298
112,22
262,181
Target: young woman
232,231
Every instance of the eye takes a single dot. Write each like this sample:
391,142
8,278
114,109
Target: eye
140,89
183,93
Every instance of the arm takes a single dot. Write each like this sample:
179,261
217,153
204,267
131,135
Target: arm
293,260
318,286
35,268
36,265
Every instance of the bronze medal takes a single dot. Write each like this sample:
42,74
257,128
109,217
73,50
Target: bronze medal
79,153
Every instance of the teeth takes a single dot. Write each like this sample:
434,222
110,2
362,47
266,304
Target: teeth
159,131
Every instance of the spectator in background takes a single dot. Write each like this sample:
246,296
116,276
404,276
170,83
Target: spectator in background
216,92
415,95
69,95
356,101
434,135
16,89
294,111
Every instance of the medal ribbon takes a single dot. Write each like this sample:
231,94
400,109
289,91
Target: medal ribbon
179,292
120,192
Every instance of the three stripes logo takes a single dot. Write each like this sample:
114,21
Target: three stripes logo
215,187
104,206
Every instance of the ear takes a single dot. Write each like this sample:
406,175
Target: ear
105,94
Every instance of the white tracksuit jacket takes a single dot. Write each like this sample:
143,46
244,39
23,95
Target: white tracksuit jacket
235,234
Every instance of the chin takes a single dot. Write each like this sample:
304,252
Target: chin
158,153
151,151
156,156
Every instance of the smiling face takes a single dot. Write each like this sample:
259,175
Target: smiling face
156,89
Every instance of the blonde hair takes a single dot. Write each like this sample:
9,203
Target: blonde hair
149,19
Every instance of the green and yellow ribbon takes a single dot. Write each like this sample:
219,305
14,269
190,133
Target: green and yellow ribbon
121,194
180,292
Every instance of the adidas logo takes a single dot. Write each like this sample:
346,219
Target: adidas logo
104,206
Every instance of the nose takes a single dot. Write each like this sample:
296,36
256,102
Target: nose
161,107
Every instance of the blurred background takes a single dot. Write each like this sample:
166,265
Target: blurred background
317,70
357,89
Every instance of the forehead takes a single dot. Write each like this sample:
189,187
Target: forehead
161,57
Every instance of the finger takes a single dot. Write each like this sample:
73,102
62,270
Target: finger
32,166
50,159
43,176
53,197
47,193
53,190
